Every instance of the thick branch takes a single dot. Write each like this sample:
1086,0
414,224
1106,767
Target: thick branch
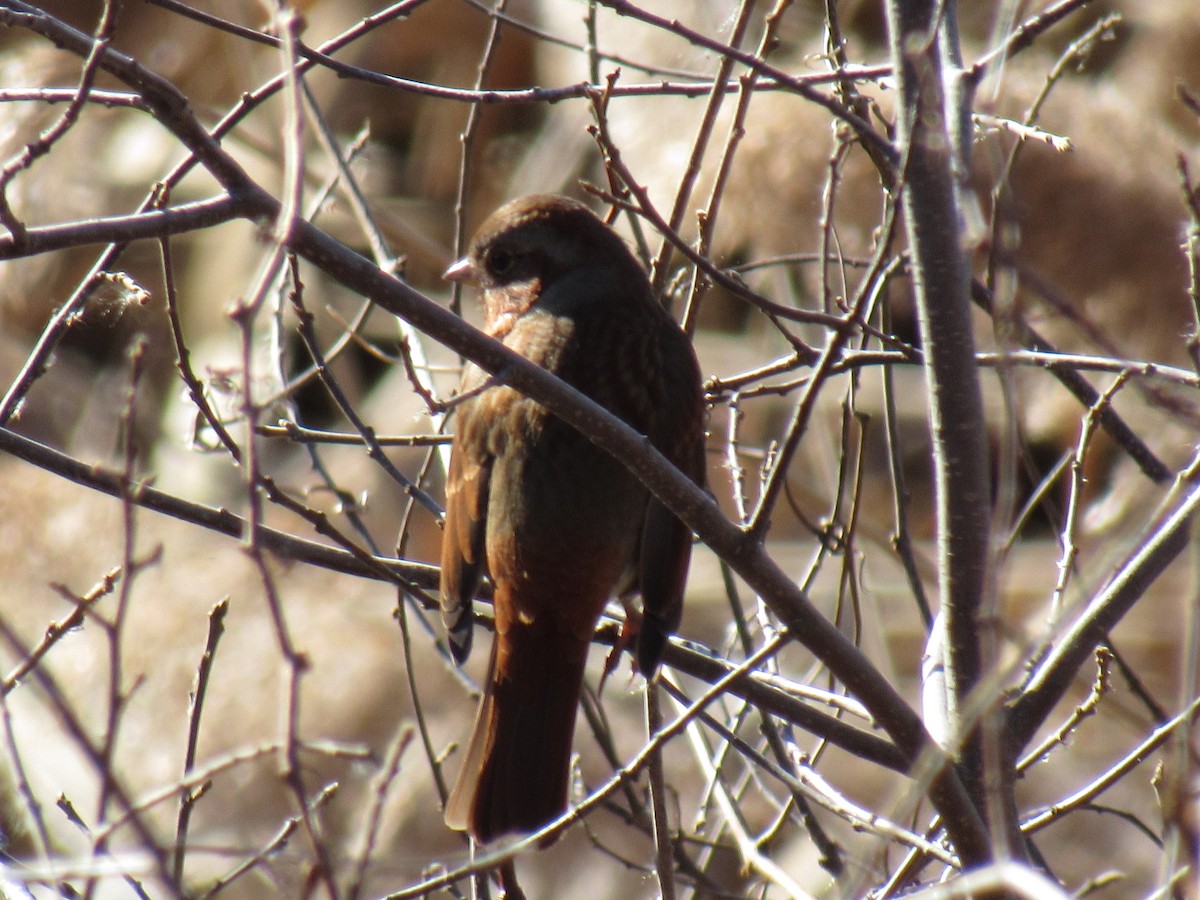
1054,677
151,224
941,282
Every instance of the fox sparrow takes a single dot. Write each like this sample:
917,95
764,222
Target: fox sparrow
556,523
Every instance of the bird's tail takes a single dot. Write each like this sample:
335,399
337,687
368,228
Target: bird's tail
516,770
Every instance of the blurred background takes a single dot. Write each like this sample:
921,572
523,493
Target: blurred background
1076,223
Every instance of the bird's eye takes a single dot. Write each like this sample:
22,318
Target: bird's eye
500,261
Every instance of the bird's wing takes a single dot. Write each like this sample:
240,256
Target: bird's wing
666,542
463,554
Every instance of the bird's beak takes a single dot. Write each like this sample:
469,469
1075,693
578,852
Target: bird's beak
462,272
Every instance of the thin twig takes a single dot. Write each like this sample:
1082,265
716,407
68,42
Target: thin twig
188,796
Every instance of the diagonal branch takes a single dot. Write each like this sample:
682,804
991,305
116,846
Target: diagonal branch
745,555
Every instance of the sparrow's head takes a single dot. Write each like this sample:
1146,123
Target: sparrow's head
528,245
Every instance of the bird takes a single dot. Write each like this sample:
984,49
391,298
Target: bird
558,525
